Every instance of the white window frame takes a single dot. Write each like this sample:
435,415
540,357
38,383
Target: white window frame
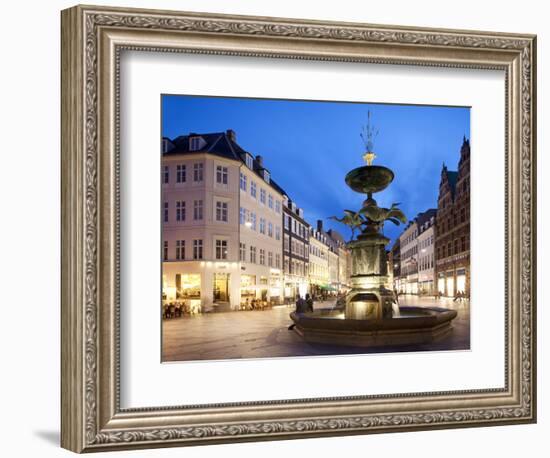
198,210
198,172
249,162
181,173
198,248
180,210
243,181
180,250
253,189
222,175
222,211
219,253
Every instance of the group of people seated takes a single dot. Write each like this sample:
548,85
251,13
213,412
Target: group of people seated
178,309
255,304
460,296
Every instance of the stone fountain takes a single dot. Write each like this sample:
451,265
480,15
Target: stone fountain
370,315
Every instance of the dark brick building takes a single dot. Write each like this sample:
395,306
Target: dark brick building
452,235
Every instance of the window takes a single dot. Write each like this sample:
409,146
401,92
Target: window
270,259
287,221
278,233
165,145
262,196
242,252
287,266
462,214
221,249
221,174
266,176
270,229
180,210
198,172
270,201
166,175
197,210
456,246
277,260
243,182
166,212
249,161
165,250
252,220
278,206
286,243
253,254
253,188
463,243
262,225
180,249
197,249
221,211
194,143
262,256
242,215
180,173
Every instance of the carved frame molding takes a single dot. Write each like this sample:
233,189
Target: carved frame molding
92,40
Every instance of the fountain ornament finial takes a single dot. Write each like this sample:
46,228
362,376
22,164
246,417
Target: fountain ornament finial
368,135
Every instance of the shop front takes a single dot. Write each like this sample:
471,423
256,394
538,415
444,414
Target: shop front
450,284
248,290
461,281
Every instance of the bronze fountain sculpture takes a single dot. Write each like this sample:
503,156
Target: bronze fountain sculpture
371,316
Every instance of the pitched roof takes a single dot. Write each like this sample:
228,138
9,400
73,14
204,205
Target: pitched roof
423,217
221,144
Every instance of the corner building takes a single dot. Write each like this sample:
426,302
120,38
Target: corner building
221,224
452,235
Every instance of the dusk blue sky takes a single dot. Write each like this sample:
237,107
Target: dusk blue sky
310,146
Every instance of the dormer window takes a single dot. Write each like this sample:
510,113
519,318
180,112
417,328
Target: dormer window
196,143
166,145
249,161
266,176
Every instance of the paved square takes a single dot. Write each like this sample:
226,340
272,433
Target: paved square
265,334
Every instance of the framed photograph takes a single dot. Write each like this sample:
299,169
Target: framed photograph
278,228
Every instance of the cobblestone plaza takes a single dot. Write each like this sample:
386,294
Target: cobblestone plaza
265,334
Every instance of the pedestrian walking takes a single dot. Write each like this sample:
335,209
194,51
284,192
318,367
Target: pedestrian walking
396,296
309,303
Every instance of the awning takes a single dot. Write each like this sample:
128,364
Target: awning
329,288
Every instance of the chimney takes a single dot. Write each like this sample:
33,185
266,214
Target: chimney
231,135
260,160
320,225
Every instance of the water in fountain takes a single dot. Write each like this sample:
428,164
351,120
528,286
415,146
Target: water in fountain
395,310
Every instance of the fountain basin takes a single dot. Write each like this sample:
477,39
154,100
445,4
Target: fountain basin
415,325
369,178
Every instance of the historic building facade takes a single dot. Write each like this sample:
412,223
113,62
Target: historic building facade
452,241
426,258
410,254
338,245
221,223
295,251
319,275
394,264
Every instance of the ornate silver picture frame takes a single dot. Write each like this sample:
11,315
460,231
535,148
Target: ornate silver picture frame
93,39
